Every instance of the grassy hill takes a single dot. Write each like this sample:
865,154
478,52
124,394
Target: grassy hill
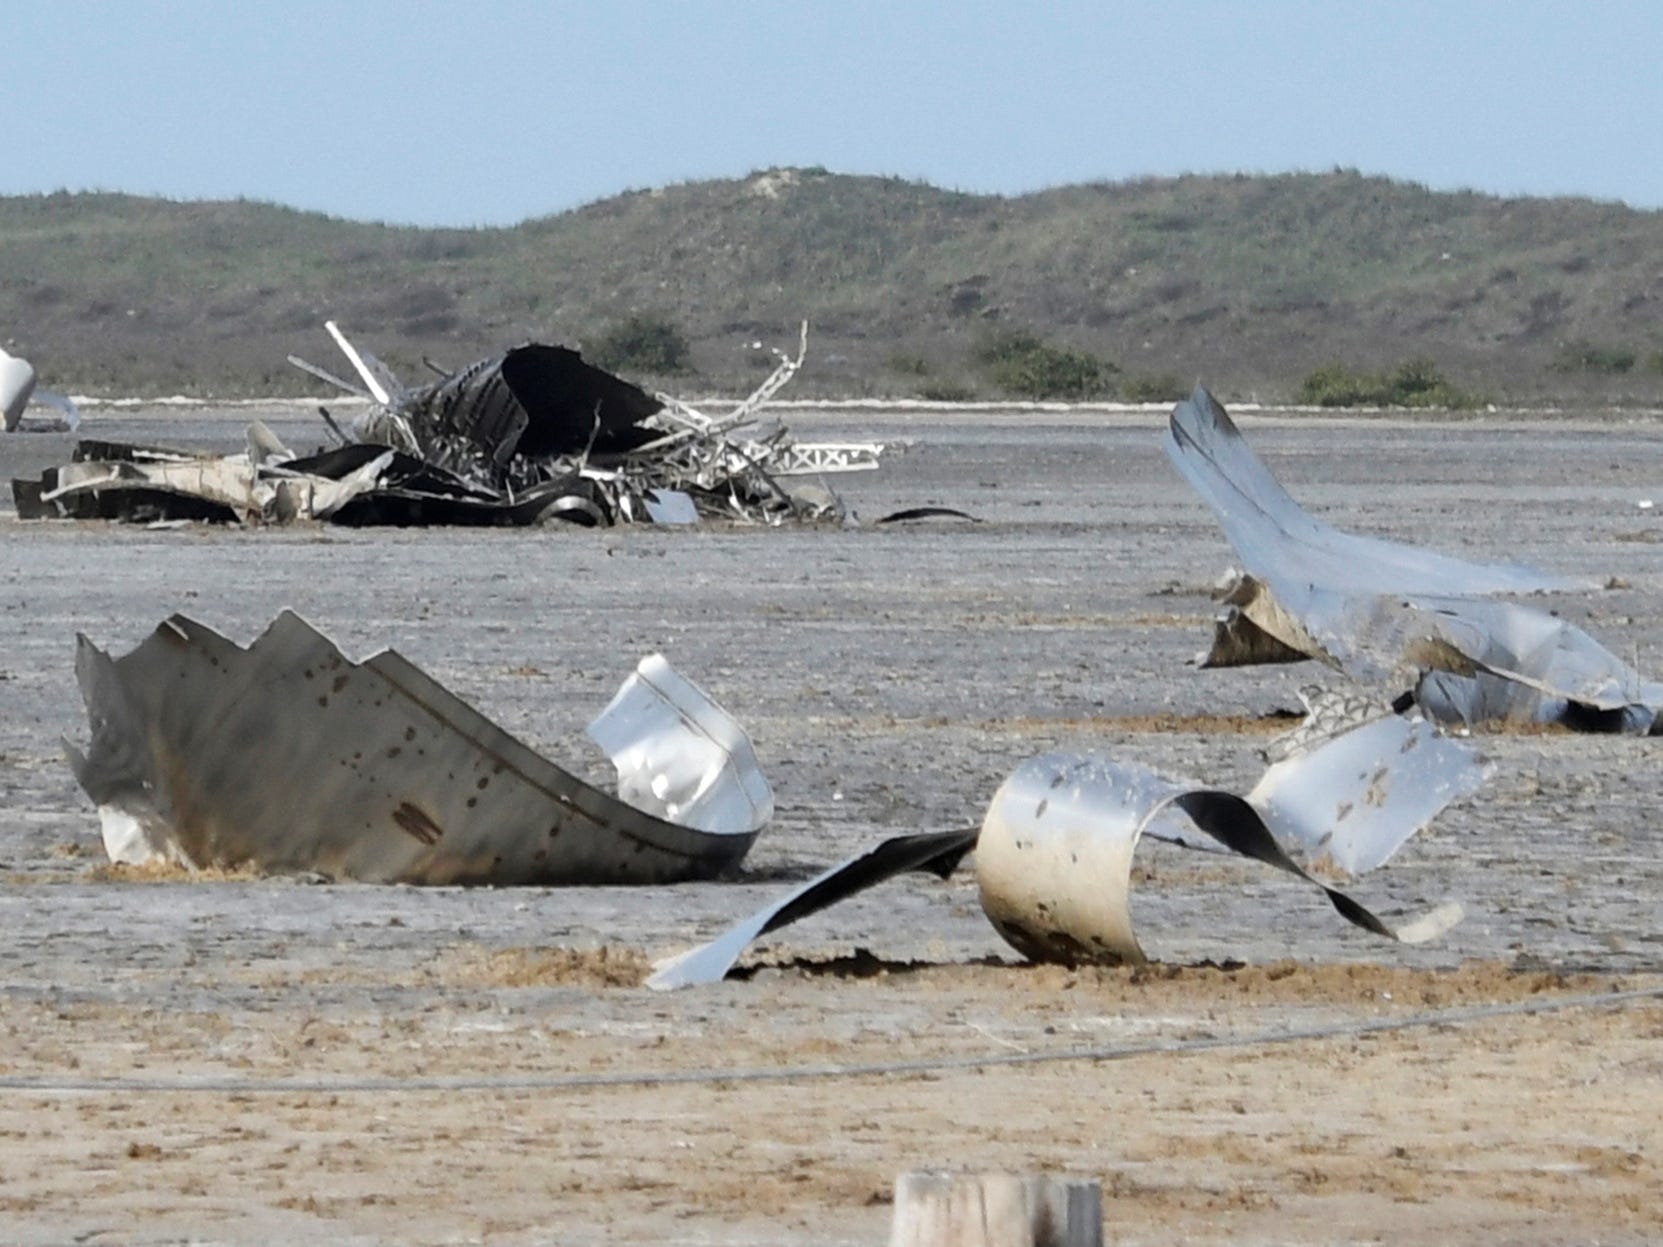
1248,283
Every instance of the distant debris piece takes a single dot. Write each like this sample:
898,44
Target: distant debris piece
290,758
1054,851
532,436
1392,615
18,390
17,382
911,514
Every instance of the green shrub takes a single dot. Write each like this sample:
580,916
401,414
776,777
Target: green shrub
1585,356
1654,361
1414,383
1020,363
1335,385
642,342
946,392
1160,388
909,365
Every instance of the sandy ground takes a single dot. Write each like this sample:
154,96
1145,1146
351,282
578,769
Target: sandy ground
247,1060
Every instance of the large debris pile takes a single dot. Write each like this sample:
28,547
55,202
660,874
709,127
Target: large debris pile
532,435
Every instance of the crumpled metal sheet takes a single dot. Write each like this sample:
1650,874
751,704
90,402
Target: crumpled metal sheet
1391,614
529,403
289,757
680,756
1054,852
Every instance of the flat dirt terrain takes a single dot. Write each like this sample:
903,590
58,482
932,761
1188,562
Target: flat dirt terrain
231,1059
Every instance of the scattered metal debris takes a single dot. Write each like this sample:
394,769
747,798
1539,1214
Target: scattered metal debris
289,757
1054,852
1391,614
18,390
531,436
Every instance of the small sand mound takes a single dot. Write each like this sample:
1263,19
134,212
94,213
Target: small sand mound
545,967
172,872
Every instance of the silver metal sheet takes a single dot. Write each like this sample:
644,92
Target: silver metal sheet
1275,538
670,506
289,757
1054,861
18,390
1390,614
680,756
1054,852
1351,801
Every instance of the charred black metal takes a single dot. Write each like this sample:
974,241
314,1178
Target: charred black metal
498,418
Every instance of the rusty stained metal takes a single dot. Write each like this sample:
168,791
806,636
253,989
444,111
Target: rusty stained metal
1389,614
1055,848
289,757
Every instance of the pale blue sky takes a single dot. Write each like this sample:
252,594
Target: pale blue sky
491,111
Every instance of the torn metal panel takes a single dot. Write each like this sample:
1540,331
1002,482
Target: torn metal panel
112,480
1390,614
938,852
1054,852
670,506
1274,537
289,757
1350,797
532,402
1468,660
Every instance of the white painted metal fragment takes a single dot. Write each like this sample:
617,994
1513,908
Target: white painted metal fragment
17,382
